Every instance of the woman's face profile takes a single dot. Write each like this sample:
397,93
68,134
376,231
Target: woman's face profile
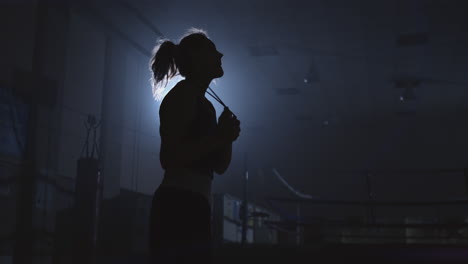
208,59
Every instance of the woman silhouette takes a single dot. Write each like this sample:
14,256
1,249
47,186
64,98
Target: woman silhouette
193,146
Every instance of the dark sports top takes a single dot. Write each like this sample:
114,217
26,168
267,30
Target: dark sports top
203,124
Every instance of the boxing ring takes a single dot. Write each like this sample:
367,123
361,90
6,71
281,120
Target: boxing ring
413,230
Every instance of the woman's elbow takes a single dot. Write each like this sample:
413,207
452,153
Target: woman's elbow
220,170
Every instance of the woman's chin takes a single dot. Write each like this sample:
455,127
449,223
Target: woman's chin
220,73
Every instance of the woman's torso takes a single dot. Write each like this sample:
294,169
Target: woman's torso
198,175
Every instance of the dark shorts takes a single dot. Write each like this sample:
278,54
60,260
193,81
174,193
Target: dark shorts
180,227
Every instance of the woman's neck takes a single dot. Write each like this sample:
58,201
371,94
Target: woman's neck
200,85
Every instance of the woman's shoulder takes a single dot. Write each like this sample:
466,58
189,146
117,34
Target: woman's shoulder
180,91
177,97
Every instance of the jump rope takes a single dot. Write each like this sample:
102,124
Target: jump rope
216,97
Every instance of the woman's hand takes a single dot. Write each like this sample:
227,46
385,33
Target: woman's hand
228,125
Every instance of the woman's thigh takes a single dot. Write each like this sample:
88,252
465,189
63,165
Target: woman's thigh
180,225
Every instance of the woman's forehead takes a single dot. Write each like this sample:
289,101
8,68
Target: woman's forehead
209,43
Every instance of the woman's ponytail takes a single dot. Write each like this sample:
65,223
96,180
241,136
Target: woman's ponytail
169,59
163,66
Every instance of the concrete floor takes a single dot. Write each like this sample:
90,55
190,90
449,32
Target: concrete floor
343,254
381,254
